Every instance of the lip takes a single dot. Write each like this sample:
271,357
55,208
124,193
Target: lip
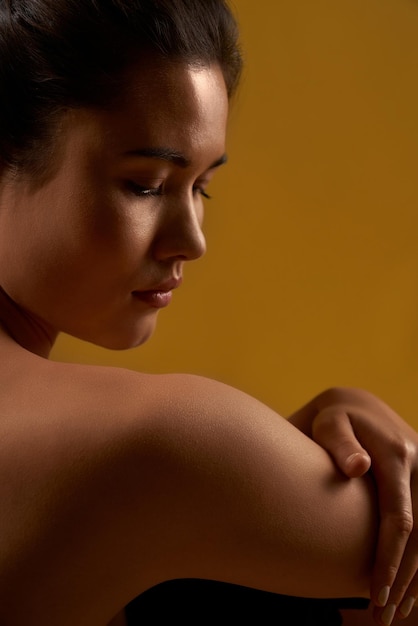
159,296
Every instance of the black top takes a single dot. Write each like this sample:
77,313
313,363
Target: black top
193,602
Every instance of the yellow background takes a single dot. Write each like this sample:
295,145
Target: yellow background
311,277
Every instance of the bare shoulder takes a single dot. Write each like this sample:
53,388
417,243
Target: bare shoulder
63,419
94,396
72,484
71,410
89,499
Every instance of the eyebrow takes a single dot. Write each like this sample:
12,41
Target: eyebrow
166,154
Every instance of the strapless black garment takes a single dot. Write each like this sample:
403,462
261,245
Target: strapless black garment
193,602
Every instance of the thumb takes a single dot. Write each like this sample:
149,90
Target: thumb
333,431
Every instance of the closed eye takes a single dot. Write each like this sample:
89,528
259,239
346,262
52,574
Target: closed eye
142,191
202,193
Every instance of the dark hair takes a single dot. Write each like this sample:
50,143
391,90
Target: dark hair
60,54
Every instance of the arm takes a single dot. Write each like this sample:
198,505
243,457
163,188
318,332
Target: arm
252,500
137,479
360,431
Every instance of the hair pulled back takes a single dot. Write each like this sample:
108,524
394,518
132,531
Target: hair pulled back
61,54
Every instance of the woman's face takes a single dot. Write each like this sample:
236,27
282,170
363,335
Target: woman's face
96,250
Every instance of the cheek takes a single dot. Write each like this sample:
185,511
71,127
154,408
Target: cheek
68,247
117,234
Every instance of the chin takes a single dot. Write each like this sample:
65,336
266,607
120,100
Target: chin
127,341
120,336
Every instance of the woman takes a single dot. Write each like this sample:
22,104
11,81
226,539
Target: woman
114,116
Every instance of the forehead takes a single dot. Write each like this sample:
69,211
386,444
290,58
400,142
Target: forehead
164,107
170,104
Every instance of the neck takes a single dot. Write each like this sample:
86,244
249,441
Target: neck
25,328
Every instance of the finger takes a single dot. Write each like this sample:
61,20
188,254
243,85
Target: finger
333,431
395,505
404,592
410,598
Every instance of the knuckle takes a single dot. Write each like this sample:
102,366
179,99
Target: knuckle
403,523
402,451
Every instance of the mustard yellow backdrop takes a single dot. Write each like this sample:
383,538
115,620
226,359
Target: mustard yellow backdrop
311,277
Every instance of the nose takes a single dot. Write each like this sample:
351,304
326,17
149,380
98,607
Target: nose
180,234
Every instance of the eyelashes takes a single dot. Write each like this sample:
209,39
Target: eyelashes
141,191
145,192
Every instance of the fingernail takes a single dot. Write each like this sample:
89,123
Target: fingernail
352,457
407,606
383,596
388,614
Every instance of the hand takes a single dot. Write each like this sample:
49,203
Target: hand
361,432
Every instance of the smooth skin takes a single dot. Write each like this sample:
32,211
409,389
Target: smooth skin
335,419
112,480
